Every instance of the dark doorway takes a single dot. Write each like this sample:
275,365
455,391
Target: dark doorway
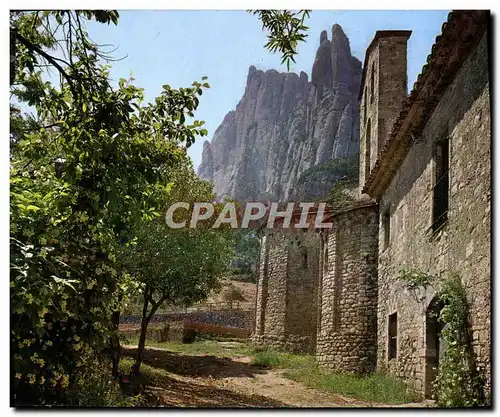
393,336
434,345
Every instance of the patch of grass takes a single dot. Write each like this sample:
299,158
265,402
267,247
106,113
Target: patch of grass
376,388
203,347
274,359
97,388
149,374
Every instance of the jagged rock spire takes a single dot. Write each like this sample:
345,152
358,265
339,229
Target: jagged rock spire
284,125
321,73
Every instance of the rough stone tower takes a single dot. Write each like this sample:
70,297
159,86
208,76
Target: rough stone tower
286,301
383,90
347,311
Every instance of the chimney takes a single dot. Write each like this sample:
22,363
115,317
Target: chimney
382,93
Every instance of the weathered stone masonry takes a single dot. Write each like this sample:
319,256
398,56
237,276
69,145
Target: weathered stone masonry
286,302
353,310
462,245
347,325
317,290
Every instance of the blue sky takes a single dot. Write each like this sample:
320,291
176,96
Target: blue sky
179,47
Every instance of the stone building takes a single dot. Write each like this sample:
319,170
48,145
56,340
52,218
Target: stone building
424,204
431,177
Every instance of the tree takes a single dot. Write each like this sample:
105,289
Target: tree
88,166
247,250
286,29
85,168
232,293
178,267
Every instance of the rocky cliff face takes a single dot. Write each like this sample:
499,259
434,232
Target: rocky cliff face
285,124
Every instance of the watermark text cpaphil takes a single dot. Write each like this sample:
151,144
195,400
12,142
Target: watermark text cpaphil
248,215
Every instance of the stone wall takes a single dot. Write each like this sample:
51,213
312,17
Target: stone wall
227,318
286,301
347,325
463,245
171,331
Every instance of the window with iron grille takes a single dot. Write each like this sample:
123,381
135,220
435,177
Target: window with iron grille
393,336
441,185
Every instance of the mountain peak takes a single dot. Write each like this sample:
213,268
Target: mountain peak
323,36
284,125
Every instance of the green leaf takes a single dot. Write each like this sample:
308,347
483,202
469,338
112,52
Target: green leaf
67,282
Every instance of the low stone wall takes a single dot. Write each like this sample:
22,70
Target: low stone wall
226,318
211,330
173,331
290,343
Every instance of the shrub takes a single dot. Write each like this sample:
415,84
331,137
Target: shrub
233,293
459,382
97,388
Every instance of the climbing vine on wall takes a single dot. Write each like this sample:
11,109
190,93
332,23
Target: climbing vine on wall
459,382
415,280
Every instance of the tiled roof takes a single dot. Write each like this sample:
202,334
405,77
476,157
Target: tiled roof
460,33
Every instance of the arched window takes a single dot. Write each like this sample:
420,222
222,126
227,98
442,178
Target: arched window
366,104
367,147
372,83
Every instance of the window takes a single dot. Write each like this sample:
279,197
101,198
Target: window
393,336
441,185
367,148
372,83
304,258
366,104
381,131
386,227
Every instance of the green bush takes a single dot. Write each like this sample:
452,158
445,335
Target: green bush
70,213
339,167
459,383
97,388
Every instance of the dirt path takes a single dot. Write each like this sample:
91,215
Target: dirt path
272,384
209,381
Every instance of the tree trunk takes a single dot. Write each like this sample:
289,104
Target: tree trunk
142,338
142,345
115,343
146,318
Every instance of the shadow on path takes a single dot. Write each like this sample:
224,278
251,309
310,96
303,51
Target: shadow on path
176,393
195,366
173,392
